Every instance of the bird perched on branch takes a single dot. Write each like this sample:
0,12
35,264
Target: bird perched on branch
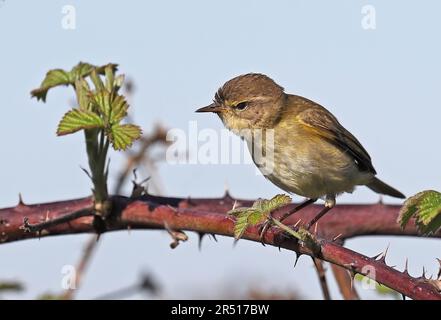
301,147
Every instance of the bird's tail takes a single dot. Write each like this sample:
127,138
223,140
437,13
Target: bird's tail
380,187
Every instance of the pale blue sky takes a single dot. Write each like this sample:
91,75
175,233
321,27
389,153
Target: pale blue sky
383,85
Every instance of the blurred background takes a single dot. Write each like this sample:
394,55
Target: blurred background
380,76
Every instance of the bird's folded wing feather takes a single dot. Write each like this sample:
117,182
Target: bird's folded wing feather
325,124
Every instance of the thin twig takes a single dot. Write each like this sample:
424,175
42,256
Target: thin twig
321,273
147,283
37,227
344,282
87,255
158,135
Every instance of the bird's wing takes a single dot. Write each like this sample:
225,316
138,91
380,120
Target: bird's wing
326,125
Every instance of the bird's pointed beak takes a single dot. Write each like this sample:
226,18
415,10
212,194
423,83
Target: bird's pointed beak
211,108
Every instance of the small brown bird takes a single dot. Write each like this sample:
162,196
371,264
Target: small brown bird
312,154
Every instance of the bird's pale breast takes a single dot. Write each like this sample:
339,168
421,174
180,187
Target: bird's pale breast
305,164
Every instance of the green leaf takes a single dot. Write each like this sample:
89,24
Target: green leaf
425,207
76,119
54,78
84,69
103,102
81,70
274,203
123,135
379,288
408,209
240,226
257,213
102,69
97,82
119,109
58,77
110,78
82,90
112,107
118,82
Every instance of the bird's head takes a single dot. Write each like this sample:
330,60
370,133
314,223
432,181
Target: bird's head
250,101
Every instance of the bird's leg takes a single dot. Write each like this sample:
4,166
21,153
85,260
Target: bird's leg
267,223
329,204
302,205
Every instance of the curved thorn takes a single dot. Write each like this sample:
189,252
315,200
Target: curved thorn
382,256
190,201
227,195
86,172
380,200
406,267
439,271
298,255
262,233
20,200
201,236
377,255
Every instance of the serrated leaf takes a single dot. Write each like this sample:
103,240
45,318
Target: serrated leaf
107,69
103,100
59,77
429,212
123,135
276,202
96,80
425,207
408,209
240,226
80,71
257,213
119,109
113,108
54,78
84,69
110,77
76,119
256,218
101,69
118,82
82,91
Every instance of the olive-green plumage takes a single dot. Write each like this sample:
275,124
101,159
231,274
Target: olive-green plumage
313,154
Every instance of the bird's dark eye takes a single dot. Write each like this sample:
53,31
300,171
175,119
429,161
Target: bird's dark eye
241,106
